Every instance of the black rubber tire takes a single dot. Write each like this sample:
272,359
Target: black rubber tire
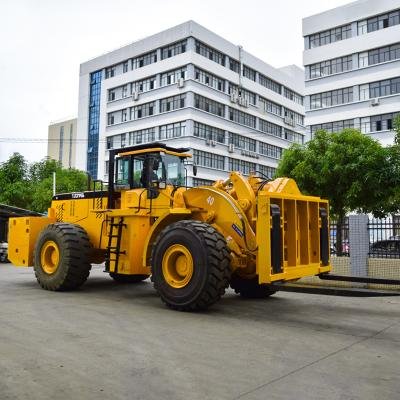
250,288
74,247
211,260
122,278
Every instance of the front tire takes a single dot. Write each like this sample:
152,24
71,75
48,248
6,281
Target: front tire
190,265
61,257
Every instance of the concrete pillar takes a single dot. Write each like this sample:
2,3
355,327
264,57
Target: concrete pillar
354,61
354,32
190,72
191,44
359,244
189,127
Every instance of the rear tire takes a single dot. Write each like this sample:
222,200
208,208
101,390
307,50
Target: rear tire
250,288
190,265
61,257
122,278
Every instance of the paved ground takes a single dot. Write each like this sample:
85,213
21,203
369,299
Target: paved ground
110,341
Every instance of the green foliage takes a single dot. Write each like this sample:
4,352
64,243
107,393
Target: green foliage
31,186
351,170
396,125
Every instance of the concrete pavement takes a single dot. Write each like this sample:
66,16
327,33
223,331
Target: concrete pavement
113,341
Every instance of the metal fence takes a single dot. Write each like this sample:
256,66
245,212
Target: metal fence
384,237
345,238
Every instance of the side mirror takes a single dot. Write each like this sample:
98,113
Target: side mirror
194,169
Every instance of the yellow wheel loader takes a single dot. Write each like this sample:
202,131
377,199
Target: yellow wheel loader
249,233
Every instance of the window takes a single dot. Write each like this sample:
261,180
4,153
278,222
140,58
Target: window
243,93
292,95
234,65
110,119
332,98
364,91
173,49
109,143
294,137
332,127
384,88
383,21
382,122
171,77
111,94
123,139
94,121
145,59
110,72
270,150
241,117
209,79
249,73
363,59
172,130
267,171
209,160
383,54
142,136
61,148
242,142
208,132
125,66
210,53
269,83
211,106
362,27
201,182
144,85
242,166
144,110
270,106
330,67
269,127
330,36
294,116
172,103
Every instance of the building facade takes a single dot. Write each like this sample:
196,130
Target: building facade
352,68
191,88
62,142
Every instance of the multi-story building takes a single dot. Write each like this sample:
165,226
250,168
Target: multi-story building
194,89
62,142
352,68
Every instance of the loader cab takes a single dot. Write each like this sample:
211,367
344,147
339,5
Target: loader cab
151,167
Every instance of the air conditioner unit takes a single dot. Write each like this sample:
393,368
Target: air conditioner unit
375,102
231,148
289,121
135,96
208,142
213,143
181,83
234,97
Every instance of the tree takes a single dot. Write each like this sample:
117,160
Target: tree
31,186
14,183
41,177
351,170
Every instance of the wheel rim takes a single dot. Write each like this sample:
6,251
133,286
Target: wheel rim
50,257
177,266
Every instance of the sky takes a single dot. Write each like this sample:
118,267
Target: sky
44,41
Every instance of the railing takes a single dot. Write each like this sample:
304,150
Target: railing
384,237
345,238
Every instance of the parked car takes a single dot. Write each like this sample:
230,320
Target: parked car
3,252
389,248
